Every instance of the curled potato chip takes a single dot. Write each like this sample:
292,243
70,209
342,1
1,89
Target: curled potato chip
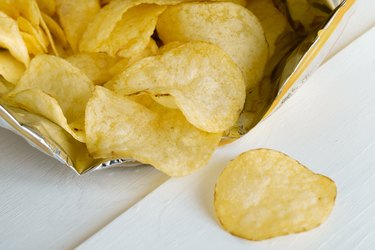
264,193
96,66
11,39
75,16
40,103
61,80
10,68
232,27
118,127
133,32
204,81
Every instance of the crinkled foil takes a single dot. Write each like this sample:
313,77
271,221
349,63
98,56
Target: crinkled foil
307,18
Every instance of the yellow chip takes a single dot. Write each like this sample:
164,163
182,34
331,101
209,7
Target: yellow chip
47,6
8,7
55,29
11,39
117,127
206,84
232,27
61,80
151,50
25,26
5,87
101,27
96,66
28,9
32,44
264,193
10,68
133,32
40,103
75,16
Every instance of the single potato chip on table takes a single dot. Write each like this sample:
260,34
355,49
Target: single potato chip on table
264,193
205,83
119,127
230,26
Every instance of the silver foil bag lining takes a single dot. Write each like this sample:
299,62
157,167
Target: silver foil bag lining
306,18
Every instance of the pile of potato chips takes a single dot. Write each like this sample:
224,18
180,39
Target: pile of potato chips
162,82
158,81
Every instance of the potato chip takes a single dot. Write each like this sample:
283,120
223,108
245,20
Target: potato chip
8,7
47,6
75,16
25,26
55,29
29,9
10,68
117,127
101,27
11,39
61,80
232,27
151,50
264,193
47,107
206,84
133,32
96,66
273,22
5,86
32,44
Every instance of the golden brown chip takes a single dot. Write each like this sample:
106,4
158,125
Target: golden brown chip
232,27
264,193
118,127
205,83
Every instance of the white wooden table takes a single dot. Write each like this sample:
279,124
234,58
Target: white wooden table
329,125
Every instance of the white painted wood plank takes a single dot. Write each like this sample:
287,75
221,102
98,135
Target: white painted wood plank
328,125
45,205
